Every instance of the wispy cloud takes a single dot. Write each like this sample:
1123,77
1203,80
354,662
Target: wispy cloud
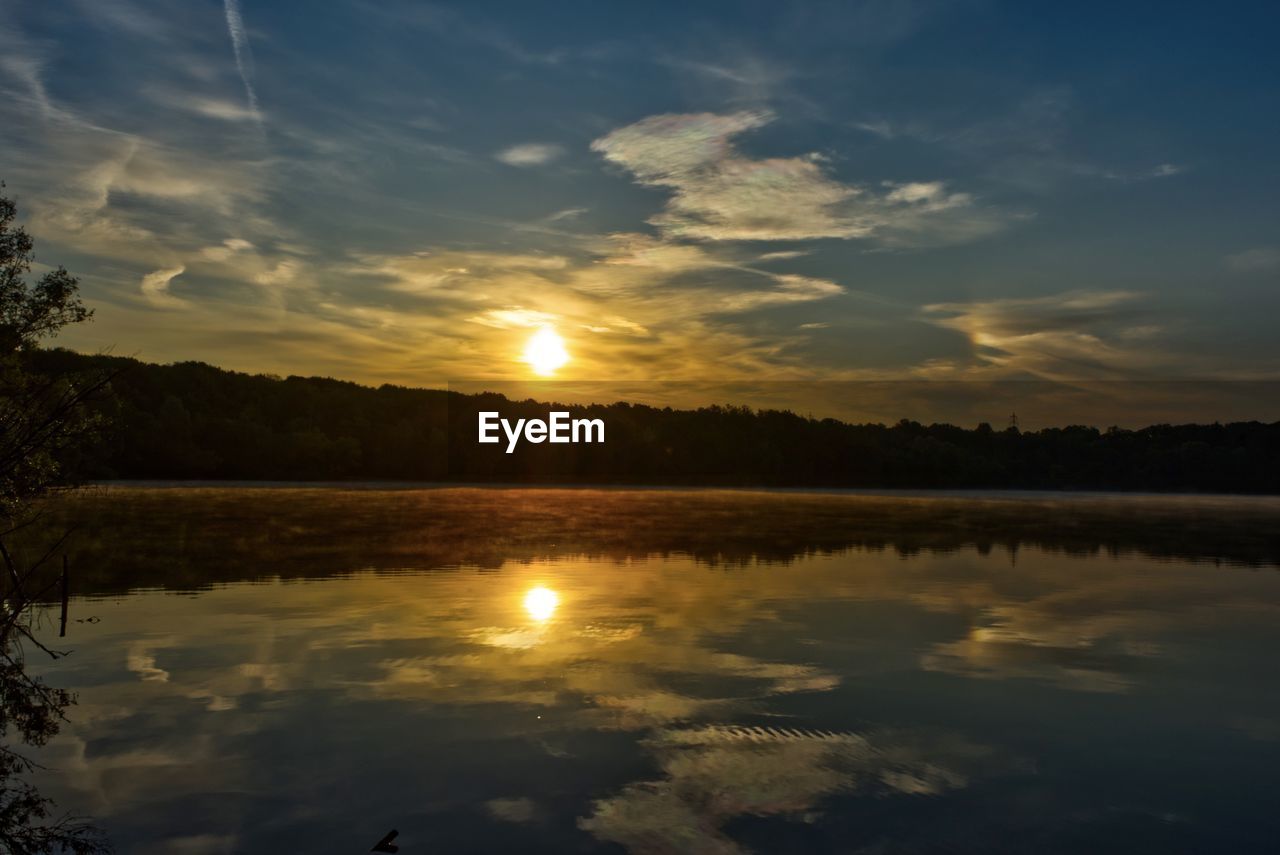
631,304
155,287
214,108
282,273
566,214
1030,143
782,255
513,317
102,168
740,77
789,289
226,249
455,27
1074,335
25,64
718,193
1164,170
1256,260
530,154
878,127
125,15
243,53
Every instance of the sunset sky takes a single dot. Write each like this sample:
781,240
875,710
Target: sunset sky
406,192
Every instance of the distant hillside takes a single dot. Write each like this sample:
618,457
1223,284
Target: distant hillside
195,421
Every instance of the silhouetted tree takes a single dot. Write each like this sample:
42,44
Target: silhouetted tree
42,418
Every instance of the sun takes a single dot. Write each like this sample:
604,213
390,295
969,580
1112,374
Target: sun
545,352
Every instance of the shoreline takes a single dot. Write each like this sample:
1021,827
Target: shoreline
984,494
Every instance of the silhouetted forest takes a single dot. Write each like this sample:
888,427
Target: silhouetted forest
195,421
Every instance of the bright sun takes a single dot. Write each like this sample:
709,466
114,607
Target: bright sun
545,352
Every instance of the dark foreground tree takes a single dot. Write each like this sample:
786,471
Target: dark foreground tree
41,418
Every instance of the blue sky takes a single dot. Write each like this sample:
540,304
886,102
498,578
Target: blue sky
404,192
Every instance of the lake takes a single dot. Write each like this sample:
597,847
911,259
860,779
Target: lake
290,669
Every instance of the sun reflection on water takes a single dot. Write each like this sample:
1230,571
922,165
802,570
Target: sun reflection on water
541,603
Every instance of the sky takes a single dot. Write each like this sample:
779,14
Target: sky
794,194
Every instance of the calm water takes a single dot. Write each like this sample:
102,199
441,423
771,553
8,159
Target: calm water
580,671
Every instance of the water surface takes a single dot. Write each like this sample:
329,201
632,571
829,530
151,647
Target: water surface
301,670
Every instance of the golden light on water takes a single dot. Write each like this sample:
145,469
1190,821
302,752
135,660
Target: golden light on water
541,603
545,352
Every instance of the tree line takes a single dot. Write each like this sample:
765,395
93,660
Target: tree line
191,420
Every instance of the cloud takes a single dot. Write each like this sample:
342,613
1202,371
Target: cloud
1073,335
25,64
147,195
1255,260
1164,170
781,255
750,72
243,53
566,214
455,27
882,128
464,276
790,289
513,810
155,287
657,262
720,194
513,317
1028,144
626,305
123,197
124,15
1160,170
616,324
1078,336
225,250
530,154
738,77
284,272
220,108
